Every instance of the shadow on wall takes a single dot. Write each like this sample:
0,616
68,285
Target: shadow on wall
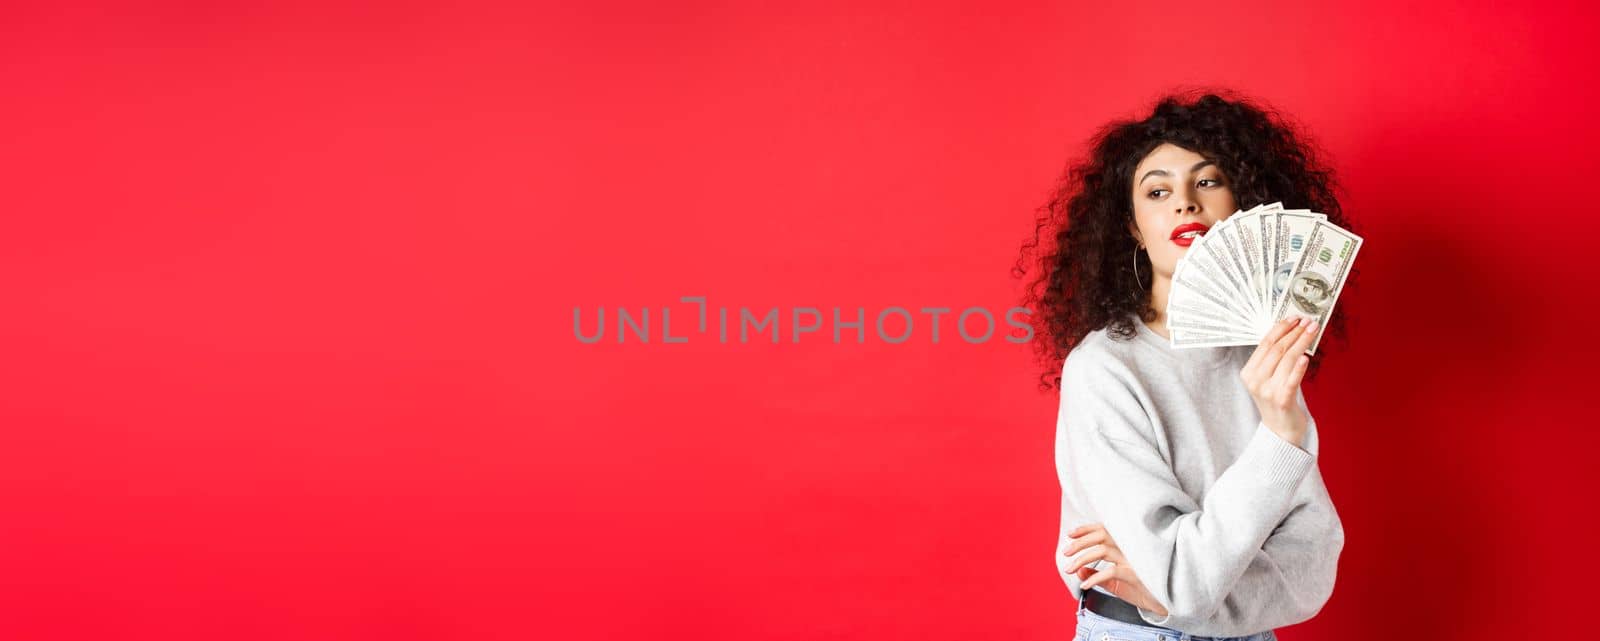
1407,448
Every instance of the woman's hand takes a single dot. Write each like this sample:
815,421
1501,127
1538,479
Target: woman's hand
1096,544
1273,376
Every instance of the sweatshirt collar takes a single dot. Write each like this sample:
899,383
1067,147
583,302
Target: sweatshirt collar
1190,355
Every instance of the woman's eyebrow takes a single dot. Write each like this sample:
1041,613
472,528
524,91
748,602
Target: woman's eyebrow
1153,172
1162,172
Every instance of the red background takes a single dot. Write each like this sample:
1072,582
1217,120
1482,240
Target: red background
289,352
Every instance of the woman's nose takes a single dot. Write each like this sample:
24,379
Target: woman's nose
1187,208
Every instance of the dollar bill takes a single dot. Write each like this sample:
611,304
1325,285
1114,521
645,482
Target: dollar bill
1319,275
1216,331
1191,338
1250,245
1254,268
1293,231
1179,315
1196,286
1218,258
1269,223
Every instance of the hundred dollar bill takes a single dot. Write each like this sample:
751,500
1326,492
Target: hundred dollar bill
1199,310
1177,316
1251,228
1183,309
1191,338
1207,329
1248,232
1194,286
1269,237
1319,277
1217,258
1293,230
1237,259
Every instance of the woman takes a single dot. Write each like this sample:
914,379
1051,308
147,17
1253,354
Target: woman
1192,506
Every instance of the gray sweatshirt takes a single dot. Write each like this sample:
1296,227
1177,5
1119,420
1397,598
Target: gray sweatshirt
1227,524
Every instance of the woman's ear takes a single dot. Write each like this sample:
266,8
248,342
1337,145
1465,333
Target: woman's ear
1133,228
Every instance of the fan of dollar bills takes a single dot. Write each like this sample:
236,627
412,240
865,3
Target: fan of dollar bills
1255,268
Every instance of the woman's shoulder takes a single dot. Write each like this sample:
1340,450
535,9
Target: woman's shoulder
1102,356
1097,356
1099,381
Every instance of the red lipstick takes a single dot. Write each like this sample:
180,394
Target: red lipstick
1179,237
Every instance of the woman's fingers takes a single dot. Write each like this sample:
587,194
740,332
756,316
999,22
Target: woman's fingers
1301,362
1272,355
1096,545
1114,554
1084,575
1084,529
1094,553
1085,536
1291,336
1284,375
1099,577
1277,331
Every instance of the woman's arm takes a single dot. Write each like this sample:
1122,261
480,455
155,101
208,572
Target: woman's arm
1296,567
1192,556
1299,561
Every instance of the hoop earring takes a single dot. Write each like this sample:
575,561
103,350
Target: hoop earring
1136,279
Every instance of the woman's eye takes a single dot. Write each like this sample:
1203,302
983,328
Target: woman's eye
1157,193
1213,182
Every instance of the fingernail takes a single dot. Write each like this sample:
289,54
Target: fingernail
1312,326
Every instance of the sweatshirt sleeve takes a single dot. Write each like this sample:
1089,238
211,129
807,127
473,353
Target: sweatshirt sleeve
1191,556
1292,575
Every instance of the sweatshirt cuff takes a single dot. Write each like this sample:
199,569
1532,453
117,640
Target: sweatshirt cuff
1276,460
1151,618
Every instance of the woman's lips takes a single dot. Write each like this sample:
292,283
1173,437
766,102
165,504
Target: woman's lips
1184,234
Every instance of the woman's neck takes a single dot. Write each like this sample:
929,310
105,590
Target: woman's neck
1158,301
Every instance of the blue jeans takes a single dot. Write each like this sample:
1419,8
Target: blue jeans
1093,627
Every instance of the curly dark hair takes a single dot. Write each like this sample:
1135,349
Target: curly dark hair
1085,278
